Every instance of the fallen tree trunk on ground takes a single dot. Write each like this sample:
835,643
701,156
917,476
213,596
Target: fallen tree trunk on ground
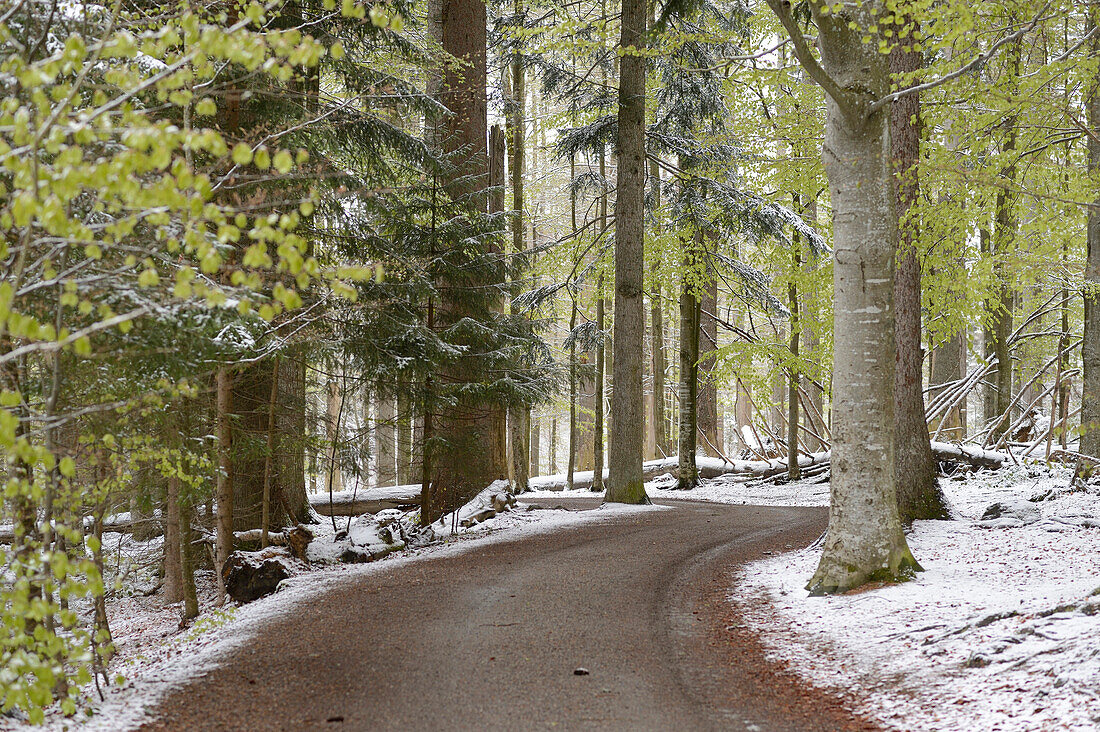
947,452
367,500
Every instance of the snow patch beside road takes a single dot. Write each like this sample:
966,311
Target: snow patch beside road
1000,632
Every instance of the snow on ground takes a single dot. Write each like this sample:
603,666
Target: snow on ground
1000,632
732,488
154,655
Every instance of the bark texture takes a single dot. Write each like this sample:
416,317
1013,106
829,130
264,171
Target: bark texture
864,541
1005,225
919,494
1090,346
708,387
625,484
689,365
597,428
224,488
465,441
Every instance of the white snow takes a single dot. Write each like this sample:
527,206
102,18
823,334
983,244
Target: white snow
737,489
1000,632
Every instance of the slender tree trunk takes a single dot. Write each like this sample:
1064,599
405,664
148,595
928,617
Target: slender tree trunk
919,495
553,456
1090,346
187,565
173,576
224,491
519,417
536,445
385,450
864,541
708,385
597,430
657,334
689,362
572,455
334,411
1005,225
404,435
948,366
625,482
794,472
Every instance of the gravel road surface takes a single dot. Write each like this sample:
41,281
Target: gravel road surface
495,638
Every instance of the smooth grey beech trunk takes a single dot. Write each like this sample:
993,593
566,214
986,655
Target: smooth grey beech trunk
627,439
1090,346
864,541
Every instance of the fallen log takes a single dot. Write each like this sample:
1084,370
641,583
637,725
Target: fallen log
365,500
955,453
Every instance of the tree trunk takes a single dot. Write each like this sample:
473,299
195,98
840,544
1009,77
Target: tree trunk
224,489
519,417
173,573
708,385
535,445
1090,346
572,454
794,472
948,366
552,466
385,449
657,328
468,443
251,397
520,431
625,484
597,430
689,362
919,495
1004,237
864,541
404,421
187,565
269,457
334,423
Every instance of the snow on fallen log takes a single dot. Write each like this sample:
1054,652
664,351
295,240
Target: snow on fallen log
976,456
365,500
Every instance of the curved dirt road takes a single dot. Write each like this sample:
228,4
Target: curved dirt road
490,638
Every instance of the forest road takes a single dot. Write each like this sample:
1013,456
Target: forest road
493,637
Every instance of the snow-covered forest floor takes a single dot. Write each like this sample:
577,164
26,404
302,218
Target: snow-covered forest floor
1000,632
